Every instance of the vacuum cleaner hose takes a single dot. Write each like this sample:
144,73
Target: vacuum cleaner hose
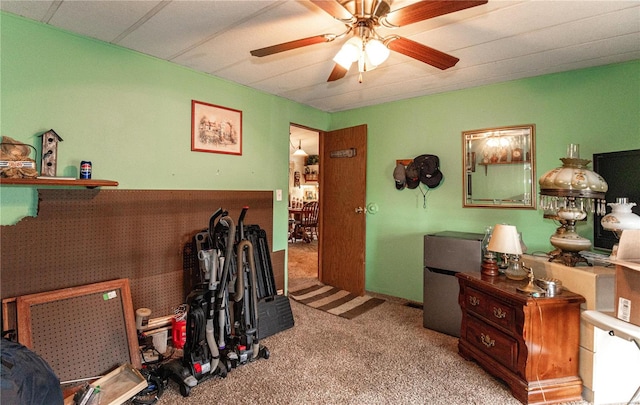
239,290
254,284
254,297
231,236
211,342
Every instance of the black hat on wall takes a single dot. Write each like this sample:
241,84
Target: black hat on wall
429,170
412,175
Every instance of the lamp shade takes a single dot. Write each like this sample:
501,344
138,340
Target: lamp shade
621,217
505,239
376,51
573,179
300,151
349,53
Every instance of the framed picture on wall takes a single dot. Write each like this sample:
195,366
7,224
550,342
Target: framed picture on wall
215,129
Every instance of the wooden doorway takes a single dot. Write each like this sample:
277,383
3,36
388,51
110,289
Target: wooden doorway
343,155
303,188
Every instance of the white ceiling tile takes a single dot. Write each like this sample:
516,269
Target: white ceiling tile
34,10
185,24
103,20
497,41
286,22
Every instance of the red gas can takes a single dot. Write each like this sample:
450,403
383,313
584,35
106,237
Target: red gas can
178,333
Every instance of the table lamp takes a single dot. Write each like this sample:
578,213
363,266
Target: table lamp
505,239
567,194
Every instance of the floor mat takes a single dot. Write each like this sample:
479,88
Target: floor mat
335,301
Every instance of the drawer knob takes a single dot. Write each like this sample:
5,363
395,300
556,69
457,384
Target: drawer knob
473,300
499,312
486,340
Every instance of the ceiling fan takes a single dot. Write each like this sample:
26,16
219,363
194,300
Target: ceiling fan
366,46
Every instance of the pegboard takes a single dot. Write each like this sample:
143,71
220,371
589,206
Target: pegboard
82,236
81,332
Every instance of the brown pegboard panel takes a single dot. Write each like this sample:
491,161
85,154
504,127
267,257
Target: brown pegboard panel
81,322
81,332
158,292
86,236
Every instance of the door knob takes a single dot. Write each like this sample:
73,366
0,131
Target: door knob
359,210
372,208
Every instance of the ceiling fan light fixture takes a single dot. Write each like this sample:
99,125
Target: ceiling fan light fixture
343,59
349,53
376,51
361,18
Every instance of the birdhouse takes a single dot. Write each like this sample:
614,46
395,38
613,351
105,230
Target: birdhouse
49,153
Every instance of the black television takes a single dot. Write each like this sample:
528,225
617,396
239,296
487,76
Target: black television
621,171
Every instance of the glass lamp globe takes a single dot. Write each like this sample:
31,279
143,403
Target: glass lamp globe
620,218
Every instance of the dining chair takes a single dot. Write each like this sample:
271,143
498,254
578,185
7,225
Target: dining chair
309,221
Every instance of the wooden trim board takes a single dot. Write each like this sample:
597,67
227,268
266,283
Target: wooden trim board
8,314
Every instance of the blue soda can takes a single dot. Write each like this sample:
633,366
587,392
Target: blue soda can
85,169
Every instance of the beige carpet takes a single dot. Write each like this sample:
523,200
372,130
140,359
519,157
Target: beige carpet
384,356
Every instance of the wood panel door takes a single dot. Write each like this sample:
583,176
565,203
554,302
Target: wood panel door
342,208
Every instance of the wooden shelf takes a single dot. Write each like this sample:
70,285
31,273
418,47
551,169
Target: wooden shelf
90,183
310,177
513,162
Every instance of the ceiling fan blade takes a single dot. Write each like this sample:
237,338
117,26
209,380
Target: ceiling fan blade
422,53
424,10
337,73
287,46
334,9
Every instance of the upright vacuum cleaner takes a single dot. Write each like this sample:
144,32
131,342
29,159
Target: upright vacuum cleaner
220,337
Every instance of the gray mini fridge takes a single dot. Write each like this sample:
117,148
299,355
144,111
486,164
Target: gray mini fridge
445,254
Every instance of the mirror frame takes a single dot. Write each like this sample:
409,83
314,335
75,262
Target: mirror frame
523,137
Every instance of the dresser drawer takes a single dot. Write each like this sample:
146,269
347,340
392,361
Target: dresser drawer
493,342
493,310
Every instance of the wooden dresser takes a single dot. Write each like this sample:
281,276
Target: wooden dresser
532,344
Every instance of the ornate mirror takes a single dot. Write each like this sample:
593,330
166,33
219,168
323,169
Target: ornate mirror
499,167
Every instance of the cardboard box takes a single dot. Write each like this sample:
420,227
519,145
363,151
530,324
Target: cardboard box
627,261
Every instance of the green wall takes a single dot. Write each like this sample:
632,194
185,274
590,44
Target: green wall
598,108
130,115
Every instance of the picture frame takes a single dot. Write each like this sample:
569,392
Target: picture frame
215,129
